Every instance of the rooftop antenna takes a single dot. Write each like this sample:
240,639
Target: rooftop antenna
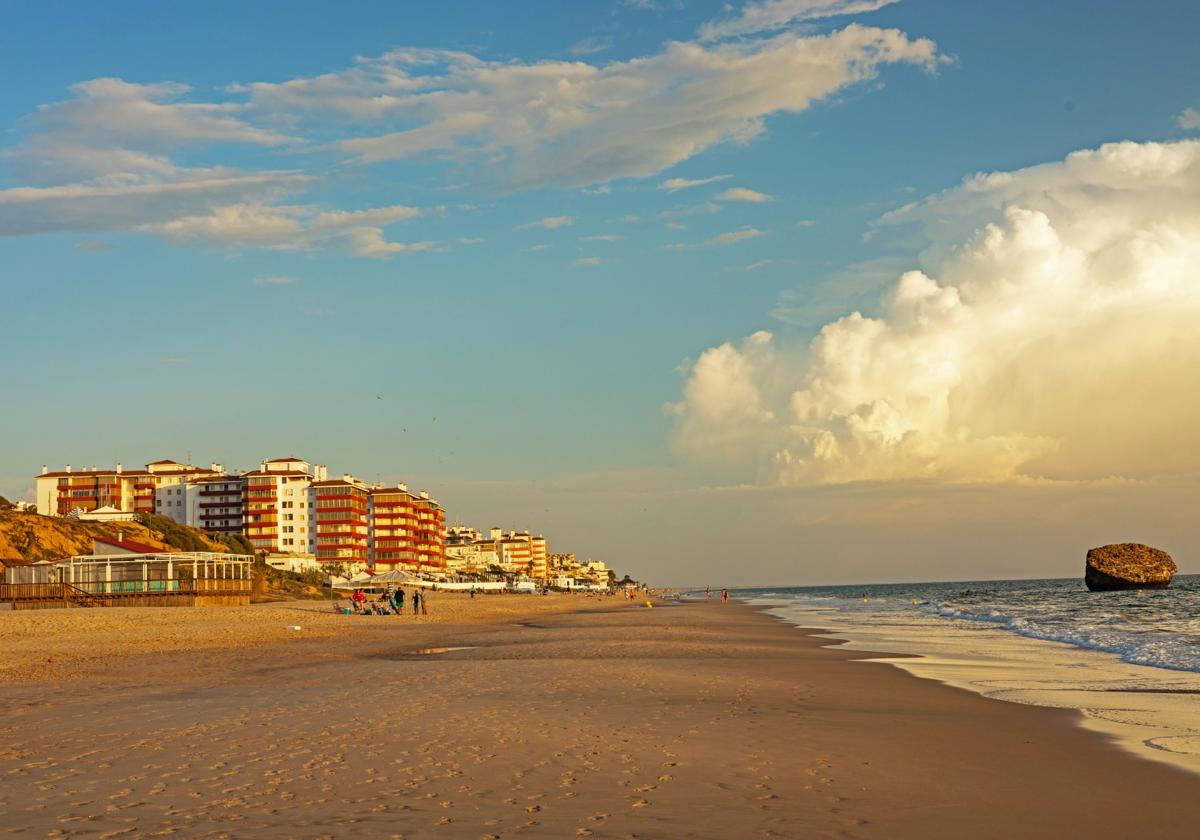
189,457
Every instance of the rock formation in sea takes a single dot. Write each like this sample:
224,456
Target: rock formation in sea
1128,566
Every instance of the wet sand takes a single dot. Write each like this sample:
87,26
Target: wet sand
564,718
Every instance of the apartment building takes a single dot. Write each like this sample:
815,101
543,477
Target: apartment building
160,488
469,551
340,520
407,529
287,506
276,514
87,489
515,552
168,482
214,503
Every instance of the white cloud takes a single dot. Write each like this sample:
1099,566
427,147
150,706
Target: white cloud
96,206
734,236
293,228
768,15
534,249
743,194
518,126
724,407
587,261
106,157
273,280
603,237
676,184
755,266
603,189
806,223
113,112
549,223
1049,334
1189,120
469,240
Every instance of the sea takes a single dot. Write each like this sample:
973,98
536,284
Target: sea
1128,662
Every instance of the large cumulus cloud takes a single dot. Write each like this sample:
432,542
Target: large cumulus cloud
1050,332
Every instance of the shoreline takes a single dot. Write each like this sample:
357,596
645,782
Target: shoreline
1144,710
603,719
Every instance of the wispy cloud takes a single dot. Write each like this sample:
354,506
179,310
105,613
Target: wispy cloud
469,240
690,210
293,228
603,189
106,157
755,266
677,184
587,261
1189,120
806,223
733,237
273,280
743,194
592,45
534,249
548,223
94,246
767,15
603,237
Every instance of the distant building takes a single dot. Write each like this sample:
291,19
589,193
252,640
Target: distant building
287,507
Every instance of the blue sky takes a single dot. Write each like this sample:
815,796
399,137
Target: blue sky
530,300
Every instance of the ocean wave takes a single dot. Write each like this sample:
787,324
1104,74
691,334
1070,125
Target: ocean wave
1160,648
1160,629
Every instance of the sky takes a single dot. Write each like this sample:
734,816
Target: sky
769,292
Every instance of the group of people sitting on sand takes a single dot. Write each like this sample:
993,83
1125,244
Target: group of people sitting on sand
390,602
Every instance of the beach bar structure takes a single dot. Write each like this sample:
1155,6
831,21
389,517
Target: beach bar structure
183,579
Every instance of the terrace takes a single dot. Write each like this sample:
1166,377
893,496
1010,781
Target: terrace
191,578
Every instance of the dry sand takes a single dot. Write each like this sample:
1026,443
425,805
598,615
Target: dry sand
565,717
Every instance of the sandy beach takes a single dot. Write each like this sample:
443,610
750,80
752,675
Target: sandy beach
559,717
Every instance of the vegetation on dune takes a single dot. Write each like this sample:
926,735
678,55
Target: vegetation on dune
182,537
237,543
271,584
27,537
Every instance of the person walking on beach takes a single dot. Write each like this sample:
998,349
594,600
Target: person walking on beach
399,601
392,602
416,602
725,596
425,604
